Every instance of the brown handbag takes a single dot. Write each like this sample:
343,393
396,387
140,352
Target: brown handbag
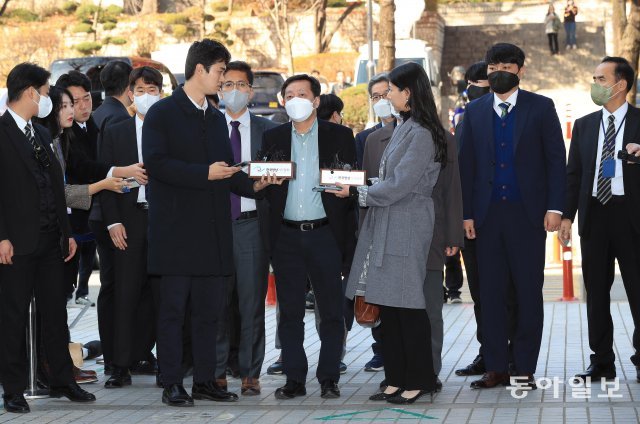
367,314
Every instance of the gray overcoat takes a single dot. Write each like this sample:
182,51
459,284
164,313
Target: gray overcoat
399,224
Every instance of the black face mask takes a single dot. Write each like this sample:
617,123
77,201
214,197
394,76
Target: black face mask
475,92
503,81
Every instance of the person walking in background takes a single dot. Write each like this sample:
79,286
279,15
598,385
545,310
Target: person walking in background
551,28
330,108
341,83
570,12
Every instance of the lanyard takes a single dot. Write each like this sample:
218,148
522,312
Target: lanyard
611,143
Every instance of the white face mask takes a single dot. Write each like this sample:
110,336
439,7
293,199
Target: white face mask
383,108
235,100
44,106
299,109
144,102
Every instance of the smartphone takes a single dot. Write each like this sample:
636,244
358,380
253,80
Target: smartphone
132,183
327,187
241,164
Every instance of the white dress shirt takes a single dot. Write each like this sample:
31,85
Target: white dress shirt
617,186
141,190
20,121
246,205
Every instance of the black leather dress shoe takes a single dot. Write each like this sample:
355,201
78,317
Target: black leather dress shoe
15,403
211,391
73,392
94,348
329,390
475,368
596,372
290,390
176,395
119,378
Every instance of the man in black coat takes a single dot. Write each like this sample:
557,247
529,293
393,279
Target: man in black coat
310,234
605,193
186,150
34,240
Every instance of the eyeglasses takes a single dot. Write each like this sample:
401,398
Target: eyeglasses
240,85
377,97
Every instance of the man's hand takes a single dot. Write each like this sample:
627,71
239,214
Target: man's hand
633,149
451,251
564,233
6,252
73,247
469,229
267,181
220,171
344,192
552,221
118,236
136,171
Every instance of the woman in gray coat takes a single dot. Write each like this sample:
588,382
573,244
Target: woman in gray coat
390,262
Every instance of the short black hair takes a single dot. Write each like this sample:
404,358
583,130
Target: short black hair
115,77
23,76
623,70
329,103
148,74
505,53
383,77
205,52
316,89
74,79
476,72
238,65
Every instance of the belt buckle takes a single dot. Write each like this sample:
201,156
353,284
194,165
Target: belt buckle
306,226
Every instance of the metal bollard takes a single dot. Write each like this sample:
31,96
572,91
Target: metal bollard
33,392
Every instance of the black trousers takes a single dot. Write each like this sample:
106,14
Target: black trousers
408,360
78,270
42,273
453,276
553,42
609,235
135,320
204,295
106,297
316,254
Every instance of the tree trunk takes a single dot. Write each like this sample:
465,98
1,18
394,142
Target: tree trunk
287,35
619,20
230,8
327,38
431,5
4,7
387,36
321,25
149,6
630,44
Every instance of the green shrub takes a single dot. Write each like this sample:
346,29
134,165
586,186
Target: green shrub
181,31
69,7
109,26
175,19
113,10
82,27
220,7
356,106
86,11
222,26
337,3
23,15
118,41
51,11
88,47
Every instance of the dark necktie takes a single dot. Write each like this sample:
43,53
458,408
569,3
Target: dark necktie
608,146
505,109
236,148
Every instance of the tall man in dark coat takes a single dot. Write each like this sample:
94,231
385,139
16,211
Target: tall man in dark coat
188,155
35,240
512,167
605,193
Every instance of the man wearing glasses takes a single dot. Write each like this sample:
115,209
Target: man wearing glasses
247,291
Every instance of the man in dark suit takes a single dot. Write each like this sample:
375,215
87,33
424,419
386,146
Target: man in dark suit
35,240
187,153
310,234
378,88
249,247
512,166
126,219
605,192
114,78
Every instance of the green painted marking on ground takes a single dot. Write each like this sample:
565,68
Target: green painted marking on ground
352,416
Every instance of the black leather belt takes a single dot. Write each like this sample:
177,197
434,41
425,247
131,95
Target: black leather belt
142,205
306,225
247,215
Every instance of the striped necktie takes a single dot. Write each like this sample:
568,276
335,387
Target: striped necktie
608,146
505,109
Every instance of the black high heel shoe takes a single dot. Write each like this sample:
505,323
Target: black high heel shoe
385,396
398,399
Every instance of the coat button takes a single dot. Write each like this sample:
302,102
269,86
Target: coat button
502,165
504,187
504,197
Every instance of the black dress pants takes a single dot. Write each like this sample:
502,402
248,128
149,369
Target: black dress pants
42,273
408,360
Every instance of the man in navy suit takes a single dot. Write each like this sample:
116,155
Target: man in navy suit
512,166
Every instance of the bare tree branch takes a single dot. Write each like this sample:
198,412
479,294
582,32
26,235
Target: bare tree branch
4,7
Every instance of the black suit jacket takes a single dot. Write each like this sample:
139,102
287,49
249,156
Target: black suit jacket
333,140
189,216
19,193
582,163
110,112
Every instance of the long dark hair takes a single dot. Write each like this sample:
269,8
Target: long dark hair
423,107
52,120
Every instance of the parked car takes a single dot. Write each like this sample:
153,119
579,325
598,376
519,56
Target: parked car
92,66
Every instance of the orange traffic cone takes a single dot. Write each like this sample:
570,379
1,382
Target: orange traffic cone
271,290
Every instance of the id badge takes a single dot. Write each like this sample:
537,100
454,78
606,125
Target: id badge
609,168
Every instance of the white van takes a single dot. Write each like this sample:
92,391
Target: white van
410,50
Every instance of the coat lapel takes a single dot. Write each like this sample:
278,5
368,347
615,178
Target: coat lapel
18,139
631,127
398,135
523,104
593,133
256,135
486,124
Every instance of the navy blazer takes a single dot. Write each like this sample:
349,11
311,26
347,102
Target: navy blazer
361,140
539,157
189,216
